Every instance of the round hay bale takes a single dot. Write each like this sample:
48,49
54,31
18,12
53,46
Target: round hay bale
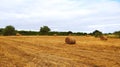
55,34
88,35
69,34
103,38
18,34
70,40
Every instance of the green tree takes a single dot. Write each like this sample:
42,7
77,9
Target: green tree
97,33
117,33
9,30
69,32
44,30
1,31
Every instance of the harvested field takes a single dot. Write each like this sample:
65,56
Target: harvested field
51,51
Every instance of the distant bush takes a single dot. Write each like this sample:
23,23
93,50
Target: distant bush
97,33
69,32
44,30
28,32
1,31
9,30
58,33
117,33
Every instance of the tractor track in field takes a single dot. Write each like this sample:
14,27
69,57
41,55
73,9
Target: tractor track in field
17,52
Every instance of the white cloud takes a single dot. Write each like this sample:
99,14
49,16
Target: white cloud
65,13
103,26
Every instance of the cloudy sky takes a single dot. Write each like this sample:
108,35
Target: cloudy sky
61,15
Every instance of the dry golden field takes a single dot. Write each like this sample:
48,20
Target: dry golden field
51,51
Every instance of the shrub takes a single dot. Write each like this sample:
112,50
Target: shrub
9,30
97,33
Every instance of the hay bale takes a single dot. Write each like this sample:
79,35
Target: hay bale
70,40
88,35
103,38
54,34
69,34
18,34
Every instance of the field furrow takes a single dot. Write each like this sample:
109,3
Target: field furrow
51,51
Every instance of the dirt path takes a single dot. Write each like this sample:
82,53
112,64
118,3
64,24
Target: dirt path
50,51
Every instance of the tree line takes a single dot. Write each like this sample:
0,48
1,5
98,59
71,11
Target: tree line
45,30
